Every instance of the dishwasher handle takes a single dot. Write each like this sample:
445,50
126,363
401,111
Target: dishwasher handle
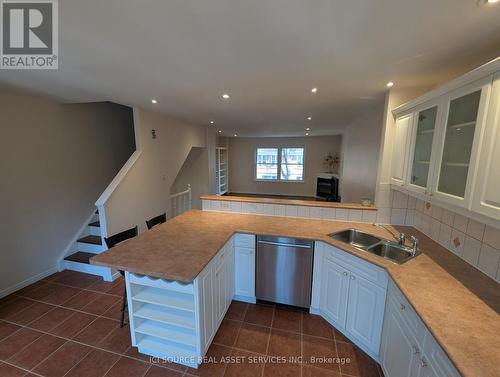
285,244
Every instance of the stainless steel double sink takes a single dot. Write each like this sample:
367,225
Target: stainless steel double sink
383,248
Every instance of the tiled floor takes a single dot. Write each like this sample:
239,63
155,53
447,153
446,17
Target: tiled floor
67,325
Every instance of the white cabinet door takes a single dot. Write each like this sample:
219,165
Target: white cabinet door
461,137
423,144
486,197
220,292
334,293
244,272
365,313
400,150
207,309
399,352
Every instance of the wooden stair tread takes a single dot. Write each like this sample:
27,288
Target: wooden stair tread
80,257
94,240
95,223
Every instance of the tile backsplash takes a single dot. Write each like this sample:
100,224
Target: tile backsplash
475,242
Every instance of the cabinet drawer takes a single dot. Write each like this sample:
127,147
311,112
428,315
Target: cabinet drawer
244,240
417,327
356,265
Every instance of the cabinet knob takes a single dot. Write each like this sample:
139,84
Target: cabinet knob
416,351
423,363
344,273
353,277
402,306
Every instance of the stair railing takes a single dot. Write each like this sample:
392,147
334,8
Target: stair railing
181,202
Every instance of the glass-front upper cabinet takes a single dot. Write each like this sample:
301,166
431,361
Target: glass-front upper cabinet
462,128
423,136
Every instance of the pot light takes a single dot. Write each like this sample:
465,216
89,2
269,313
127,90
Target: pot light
492,1
225,96
314,90
389,84
308,129
309,118
220,131
235,135
154,101
307,133
212,122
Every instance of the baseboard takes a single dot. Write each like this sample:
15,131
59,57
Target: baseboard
31,280
250,300
314,311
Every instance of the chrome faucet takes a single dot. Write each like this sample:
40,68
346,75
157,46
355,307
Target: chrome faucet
414,247
401,238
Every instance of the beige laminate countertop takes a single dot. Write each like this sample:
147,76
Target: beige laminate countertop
458,303
295,202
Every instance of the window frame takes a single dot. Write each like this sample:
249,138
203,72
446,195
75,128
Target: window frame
279,180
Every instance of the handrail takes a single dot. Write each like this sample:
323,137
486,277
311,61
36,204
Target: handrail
181,199
118,178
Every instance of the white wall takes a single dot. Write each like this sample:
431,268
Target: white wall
194,172
242,163
145,190
55,161
361,146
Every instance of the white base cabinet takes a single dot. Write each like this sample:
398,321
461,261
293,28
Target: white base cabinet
175,321
350,294
244,260
408,348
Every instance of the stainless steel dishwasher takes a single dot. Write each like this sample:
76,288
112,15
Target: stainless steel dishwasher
283,271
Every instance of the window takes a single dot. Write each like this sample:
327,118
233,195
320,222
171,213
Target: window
267,163
285,163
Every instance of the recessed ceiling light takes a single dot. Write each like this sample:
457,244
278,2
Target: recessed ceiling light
155,101
309,118
235,135
307,133
389,84
308,129
492,1
314,90
220,131
225,96
212,122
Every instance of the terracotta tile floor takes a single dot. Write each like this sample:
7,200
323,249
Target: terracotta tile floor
67,325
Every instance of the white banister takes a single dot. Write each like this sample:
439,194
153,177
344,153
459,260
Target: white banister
181,201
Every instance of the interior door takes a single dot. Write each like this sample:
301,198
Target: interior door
423,148
400,149
334,292
461,137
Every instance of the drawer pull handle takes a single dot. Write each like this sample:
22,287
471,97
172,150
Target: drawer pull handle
402,306
416,351
344,273
353,277
423,363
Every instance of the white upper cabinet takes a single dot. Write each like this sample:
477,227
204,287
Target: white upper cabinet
486,196
400,149
423,142
460,142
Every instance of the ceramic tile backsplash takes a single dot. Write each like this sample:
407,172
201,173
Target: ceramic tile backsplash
473,241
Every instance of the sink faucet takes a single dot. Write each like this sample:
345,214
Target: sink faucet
414,247
401,238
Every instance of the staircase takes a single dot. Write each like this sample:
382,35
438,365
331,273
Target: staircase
88,244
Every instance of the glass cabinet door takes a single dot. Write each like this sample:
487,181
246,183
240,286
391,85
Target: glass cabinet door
459,137
426,124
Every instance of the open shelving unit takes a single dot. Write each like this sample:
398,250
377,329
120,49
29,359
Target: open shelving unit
163,318
221,170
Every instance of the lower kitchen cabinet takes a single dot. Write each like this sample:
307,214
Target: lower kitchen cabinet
351,296
408,348
244,265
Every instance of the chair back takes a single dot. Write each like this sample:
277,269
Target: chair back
119,237
160,219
